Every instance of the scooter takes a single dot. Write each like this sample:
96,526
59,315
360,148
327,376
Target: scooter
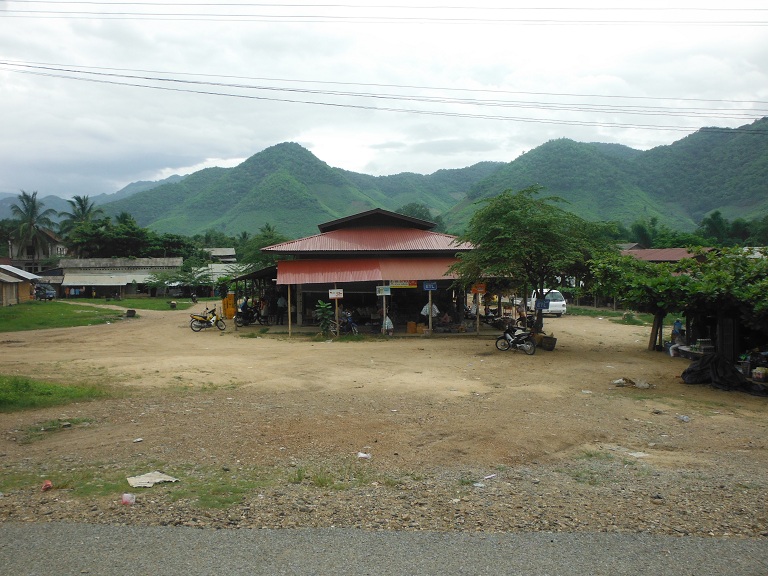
249,316
208,319
517,338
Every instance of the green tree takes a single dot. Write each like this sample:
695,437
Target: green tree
251,253
528,240
714,228
31,219
82,209
422,212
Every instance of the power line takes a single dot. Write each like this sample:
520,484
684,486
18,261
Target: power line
132,80
182,13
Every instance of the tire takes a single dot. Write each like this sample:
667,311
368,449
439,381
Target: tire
195,325
220,324
502,343
355,331
239,321
529,346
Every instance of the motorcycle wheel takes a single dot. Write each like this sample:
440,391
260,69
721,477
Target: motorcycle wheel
239,321
529,346
502,343
220,324
195,325
354,329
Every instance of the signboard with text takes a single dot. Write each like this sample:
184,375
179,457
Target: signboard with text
336,293
430,286
383,291
478,288
402,284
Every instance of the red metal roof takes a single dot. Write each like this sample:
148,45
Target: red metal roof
322,271
377,240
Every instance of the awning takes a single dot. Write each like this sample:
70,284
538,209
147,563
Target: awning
363,270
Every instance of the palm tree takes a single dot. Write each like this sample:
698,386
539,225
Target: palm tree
83,209
31,220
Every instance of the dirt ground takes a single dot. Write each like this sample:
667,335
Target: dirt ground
459,434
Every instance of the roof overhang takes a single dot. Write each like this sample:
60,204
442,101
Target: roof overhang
323,271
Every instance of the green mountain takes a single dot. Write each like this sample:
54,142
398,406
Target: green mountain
712,169
291,189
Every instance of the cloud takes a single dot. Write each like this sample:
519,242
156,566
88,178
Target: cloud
419,93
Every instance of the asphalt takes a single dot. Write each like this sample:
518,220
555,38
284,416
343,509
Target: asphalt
69,549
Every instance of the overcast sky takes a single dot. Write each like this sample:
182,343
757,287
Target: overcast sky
95,95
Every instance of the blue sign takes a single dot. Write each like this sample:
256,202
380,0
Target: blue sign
430,286
542,304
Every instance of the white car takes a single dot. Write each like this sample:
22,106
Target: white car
555,302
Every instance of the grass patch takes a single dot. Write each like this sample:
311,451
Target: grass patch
38,315
42,429
152,303
19,393
619,316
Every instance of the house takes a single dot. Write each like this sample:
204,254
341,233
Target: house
31,258
222,255
658,255
100,277
16,285
360,258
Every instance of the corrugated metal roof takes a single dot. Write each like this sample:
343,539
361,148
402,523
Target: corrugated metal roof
659,254
9,279
18,272
95,280
324,271
377,240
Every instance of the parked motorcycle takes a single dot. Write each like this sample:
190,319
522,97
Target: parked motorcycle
250,316
208,319
517,338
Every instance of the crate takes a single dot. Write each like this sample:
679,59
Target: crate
548,343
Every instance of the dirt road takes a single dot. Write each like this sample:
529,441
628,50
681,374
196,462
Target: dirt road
485,440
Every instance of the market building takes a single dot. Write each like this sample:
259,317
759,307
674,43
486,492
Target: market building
369,262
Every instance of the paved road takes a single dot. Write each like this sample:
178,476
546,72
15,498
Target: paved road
70,549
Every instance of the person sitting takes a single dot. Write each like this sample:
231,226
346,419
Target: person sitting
425,313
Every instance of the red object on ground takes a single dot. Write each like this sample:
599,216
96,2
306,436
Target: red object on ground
47,485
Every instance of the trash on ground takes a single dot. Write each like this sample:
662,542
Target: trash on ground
684,418
364,455
47,485
150,479
129,499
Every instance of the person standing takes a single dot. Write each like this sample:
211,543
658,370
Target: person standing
282,306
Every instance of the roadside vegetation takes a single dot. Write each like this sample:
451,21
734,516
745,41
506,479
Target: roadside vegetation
19,393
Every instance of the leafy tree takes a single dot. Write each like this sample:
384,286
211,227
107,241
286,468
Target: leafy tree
645,286
714,228
528,240
82,209
731,281
421,211
251,252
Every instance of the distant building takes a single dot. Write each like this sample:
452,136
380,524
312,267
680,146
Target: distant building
16,285
31,258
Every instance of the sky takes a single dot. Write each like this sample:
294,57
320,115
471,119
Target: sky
95,95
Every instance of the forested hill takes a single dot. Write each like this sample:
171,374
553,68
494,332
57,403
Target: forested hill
291,189
712,169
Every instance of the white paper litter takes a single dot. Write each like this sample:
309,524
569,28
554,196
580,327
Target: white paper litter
150,479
